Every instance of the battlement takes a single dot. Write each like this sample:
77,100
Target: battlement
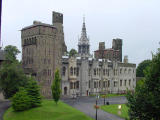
57,17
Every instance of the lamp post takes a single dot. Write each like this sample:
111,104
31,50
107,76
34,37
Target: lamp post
119,109
96,106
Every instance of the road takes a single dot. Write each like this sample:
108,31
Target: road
4,105
85,104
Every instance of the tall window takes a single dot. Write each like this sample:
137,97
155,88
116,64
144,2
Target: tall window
129,82
77,71
104,84
115,83
121,71
64,71
120,82
74,71
108,83
71,71
125,82
103,71
77,84
94,84
95,72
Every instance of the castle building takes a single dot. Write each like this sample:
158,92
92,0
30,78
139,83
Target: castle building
83,75
42,48
114,53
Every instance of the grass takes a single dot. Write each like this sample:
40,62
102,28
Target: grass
48,111
113,109
113,95
109,95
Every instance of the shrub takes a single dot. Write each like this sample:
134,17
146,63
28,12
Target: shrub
21,101
33,92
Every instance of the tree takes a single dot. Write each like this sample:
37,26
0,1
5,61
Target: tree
21,101
72,52
141,67
11,78
11,52
144,104
56,90
33,91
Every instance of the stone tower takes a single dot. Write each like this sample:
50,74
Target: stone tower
83,44
117,45
60,47
42,48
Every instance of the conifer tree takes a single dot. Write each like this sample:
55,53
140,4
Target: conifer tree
144,104
56,89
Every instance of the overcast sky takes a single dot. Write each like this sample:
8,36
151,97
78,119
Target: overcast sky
137,22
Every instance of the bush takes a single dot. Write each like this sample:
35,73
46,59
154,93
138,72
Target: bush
33,92
21,101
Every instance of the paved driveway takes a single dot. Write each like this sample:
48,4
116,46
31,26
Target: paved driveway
4,105
85,104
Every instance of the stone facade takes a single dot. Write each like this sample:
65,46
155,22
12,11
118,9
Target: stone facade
83,75
42,48
113,54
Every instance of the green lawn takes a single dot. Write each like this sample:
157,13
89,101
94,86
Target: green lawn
114,95
113,109
109,95
48,111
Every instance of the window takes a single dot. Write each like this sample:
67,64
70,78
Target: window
77,71
125,82
115,83
71,71
121,71
95,72
129,82
77,84
89,85
103,71
71,85
120,82
94,84
74,71
108,83
104,84
99,84
64,71
125,70
108,72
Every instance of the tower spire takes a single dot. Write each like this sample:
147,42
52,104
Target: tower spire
83,44
83,18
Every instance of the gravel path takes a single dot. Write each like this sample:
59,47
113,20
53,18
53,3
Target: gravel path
4,105
85,104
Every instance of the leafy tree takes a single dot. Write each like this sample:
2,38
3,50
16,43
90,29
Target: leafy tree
72,52
11,52
21,101
144,104
33,92
56,90
11,78
141,67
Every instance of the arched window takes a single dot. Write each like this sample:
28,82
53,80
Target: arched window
64,71
71,71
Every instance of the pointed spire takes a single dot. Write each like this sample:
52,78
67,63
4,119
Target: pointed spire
84,28
83,18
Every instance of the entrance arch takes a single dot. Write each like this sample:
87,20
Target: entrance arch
65,90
